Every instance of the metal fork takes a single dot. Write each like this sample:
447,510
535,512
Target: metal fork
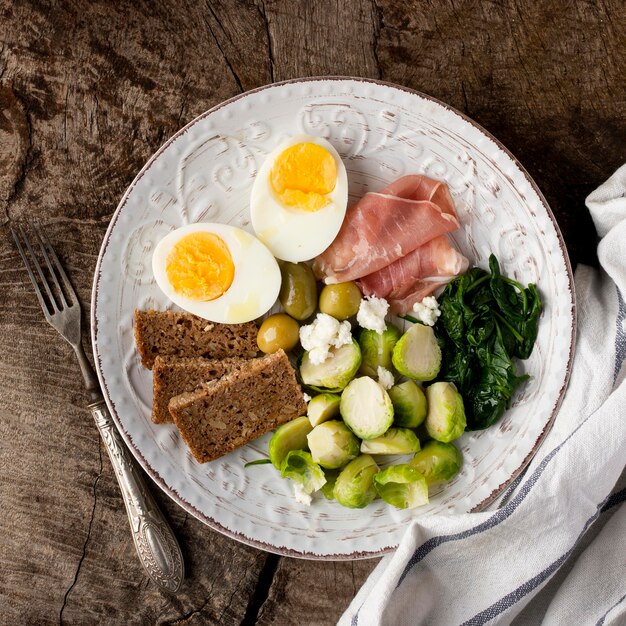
155,542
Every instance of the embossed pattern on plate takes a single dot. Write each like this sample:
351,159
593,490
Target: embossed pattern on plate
205,172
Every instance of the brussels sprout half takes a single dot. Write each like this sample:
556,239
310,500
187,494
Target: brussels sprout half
332,444
322,408
394,441
335,372
446,415
403,486
438,462
417,354
366,408
289,436
376,349
354,487
409,404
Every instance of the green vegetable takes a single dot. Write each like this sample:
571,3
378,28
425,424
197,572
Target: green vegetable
495,383
329,485
289,436
354,487
394,441
341,300
445,420
366,408
258,462
335,372
486,320
402,486
417,354
376,349
529,327
300,467
332,444
322,408
409,404
437,461
516,305
298,290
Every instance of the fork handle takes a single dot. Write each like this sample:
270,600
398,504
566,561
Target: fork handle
155,542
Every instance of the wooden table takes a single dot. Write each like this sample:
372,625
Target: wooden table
88,91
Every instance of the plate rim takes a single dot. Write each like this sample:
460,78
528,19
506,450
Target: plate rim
154,474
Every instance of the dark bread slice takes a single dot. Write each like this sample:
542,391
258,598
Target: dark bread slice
175,333
230,412
172,376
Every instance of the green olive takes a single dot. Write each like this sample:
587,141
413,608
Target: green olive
298,290
341,300
278,331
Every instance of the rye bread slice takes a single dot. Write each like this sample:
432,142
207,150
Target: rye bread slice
239,407
176,333
172,376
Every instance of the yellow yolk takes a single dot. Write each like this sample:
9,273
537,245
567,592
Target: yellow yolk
200,267
302,174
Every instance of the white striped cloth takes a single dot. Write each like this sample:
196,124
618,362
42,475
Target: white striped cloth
554,552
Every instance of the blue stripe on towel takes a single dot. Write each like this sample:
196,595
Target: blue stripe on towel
620,335
614,499
495,609
515,596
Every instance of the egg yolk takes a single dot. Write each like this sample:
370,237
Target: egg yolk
200,267
302,174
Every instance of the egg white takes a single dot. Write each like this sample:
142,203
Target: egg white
293,234
255,285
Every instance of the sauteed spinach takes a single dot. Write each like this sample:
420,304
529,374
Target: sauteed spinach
486,320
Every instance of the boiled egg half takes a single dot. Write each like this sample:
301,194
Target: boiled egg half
299,198
216,271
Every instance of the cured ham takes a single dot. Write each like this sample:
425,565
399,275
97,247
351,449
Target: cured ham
432,264
380,229
395,243
420,187
435,259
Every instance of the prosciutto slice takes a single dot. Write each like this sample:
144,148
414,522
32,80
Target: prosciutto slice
380,229
416,275
420,187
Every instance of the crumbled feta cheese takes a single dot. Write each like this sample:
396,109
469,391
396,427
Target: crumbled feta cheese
300,495
427,311
385,377
307,397
344,335
325,332
371,315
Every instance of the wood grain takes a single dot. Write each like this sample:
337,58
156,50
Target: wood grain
88,91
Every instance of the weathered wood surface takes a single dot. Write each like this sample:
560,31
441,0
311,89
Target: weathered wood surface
88,91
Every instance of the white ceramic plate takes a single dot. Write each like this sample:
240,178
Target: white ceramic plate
205,172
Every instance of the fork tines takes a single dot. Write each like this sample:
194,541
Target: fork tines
47,279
